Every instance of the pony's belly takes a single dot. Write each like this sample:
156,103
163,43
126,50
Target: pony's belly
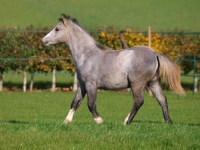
113,82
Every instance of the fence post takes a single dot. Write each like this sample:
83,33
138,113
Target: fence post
75,82
31,82
1,81
195,77
24,80
53,80
149,36
122,40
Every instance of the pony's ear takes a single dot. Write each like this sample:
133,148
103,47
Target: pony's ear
64,18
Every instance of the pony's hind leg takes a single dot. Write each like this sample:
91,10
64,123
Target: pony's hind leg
154,86
138,102
75,104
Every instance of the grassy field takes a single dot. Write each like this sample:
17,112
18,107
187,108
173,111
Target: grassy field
34,121
160,15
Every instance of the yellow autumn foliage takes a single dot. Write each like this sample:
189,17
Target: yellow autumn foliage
176,45
173,45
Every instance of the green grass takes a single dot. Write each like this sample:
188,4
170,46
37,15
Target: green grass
34,121
181,14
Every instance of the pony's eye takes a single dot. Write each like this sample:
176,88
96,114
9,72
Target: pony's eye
57,29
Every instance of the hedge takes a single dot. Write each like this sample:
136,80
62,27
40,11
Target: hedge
16,43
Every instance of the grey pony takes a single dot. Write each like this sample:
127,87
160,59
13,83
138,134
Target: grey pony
102,68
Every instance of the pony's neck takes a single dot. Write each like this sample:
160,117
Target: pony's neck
80,43
79,38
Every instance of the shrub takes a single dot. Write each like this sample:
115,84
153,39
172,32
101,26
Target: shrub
16,43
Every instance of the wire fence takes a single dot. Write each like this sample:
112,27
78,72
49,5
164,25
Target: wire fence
194,60
194,75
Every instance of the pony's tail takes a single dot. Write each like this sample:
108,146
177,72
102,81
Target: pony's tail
171,71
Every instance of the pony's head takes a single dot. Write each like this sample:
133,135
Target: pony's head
60,33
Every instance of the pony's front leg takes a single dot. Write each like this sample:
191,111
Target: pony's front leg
75,103
92,95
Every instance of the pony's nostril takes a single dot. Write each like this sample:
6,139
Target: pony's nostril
45,41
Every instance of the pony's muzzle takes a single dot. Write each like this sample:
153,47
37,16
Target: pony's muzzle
45,41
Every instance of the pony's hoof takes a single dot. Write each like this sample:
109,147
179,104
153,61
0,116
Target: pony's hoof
126,119
124,123
67,121
169,122
98,120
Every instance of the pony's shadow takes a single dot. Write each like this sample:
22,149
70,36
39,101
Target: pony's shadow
147,121
18,122
176,123
189,124
135,121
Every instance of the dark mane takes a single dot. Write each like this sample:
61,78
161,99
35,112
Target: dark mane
101,47
74,20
